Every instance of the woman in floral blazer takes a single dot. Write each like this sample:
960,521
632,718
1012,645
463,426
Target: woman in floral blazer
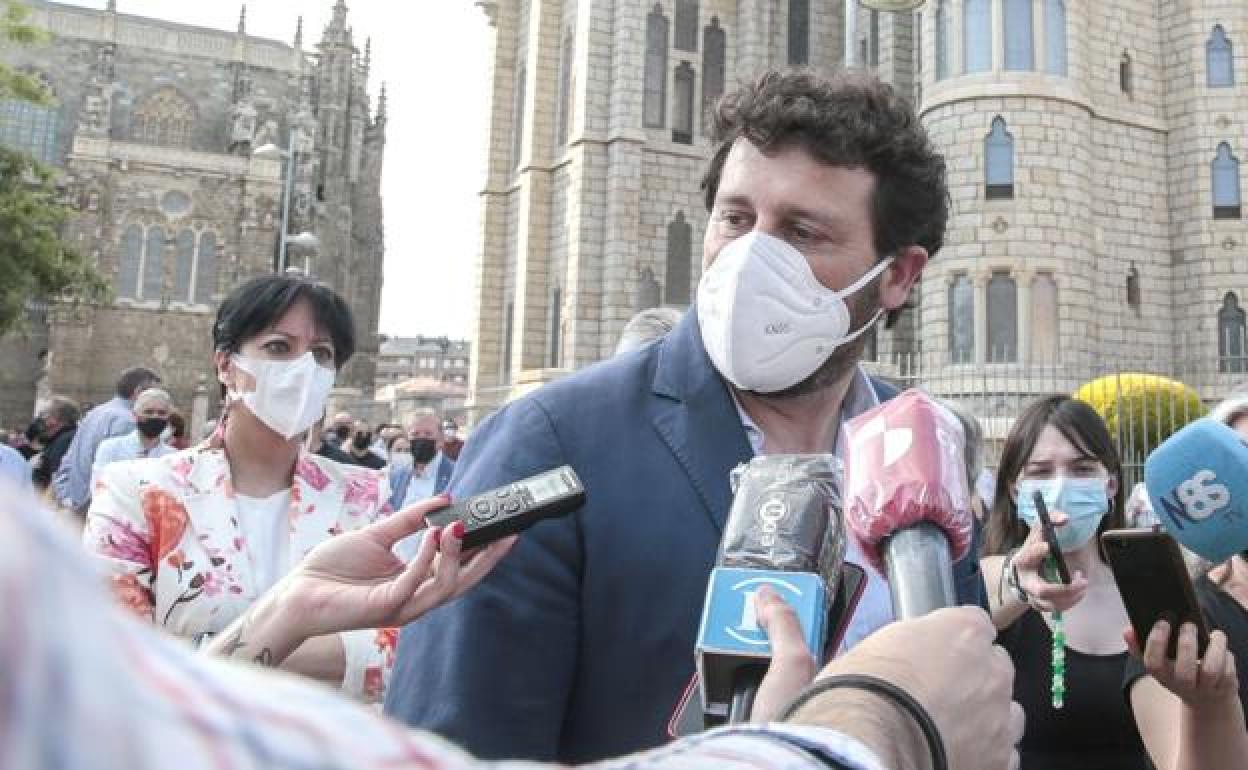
191,539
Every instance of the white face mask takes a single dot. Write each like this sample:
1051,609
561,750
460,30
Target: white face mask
290,396
767,323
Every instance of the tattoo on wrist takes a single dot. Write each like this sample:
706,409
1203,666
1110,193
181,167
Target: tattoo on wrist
232,645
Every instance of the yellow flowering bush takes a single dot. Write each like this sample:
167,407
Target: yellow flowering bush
1141,410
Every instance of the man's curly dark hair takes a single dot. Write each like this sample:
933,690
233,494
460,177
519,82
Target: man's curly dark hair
850,120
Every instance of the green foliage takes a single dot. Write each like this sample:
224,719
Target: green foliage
14,28
1141,410
34,261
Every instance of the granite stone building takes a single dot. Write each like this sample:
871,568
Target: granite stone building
1094,155
179,147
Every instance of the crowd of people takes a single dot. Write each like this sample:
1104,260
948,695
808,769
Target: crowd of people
293,541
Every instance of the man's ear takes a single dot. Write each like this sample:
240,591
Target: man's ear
900,277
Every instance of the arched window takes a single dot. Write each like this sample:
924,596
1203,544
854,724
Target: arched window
1226,198
517,118
654,101
943,22
30,129
1044,319
649,293
184,265
164,117
998,162
799,32
554,342
685,35
131,263
564,105
961,320
1125,75
153,283
1220,59
977,36
1232,336
683,86
206,269
1002,319
714,46
873,45
1133,289
1019,36
1055,36
679,257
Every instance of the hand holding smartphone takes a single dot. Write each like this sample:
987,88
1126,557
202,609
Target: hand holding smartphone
1153,581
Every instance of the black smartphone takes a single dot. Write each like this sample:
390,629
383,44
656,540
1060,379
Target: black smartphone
1050,537
513,508
1153,581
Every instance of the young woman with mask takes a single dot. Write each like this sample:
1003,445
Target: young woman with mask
1060,448
1190,709
190,540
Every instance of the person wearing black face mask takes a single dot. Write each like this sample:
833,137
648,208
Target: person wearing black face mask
431,468
152,408
359,447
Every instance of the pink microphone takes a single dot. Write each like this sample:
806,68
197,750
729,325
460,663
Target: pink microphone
906,498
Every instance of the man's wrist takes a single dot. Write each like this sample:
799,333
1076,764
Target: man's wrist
876,721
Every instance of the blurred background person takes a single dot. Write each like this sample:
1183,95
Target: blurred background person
400,469
59,423
14,469
316,444
179,434
973,453
191,539
431,469
452,439
647,326
151,417
72,477
1061,448
339,431
360,448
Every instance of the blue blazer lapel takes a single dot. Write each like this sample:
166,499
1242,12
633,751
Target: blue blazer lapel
445,467
696,418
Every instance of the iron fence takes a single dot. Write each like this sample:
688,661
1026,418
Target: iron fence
1144,396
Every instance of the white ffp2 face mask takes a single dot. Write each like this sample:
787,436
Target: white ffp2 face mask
290,396
767,323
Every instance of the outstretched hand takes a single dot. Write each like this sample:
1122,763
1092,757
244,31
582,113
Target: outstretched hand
1046,596
355,580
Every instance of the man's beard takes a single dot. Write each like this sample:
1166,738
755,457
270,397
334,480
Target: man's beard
863,306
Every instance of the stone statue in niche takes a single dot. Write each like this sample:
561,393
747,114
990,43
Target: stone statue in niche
267,134
243,127
93,201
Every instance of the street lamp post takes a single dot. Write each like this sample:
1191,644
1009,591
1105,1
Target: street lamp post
285,240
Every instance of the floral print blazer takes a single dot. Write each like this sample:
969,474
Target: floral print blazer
166,530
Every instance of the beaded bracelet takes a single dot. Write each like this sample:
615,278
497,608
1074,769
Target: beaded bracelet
889,691
1057,685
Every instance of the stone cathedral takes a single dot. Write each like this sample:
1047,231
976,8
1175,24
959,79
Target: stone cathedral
177,145
1094,153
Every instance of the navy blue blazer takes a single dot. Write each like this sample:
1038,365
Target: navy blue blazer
579,645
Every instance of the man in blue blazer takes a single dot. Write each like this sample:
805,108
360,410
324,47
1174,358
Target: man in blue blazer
826,199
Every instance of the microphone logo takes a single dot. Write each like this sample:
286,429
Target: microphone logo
1196,499
772,512
746,630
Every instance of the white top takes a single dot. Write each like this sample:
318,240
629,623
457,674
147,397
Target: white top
875,608
266,531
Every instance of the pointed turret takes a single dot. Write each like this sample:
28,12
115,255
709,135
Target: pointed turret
299,34
381,105
112,6
368,56
242,20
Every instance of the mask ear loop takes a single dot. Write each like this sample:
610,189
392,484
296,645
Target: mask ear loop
857,286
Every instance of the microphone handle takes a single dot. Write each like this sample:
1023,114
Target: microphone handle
920,570
745,684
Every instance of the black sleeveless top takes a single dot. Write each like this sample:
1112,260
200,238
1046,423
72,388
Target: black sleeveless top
1095,729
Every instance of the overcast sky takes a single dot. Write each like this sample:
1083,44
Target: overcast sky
433,56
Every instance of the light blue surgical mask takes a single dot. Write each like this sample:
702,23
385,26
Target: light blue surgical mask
1084,501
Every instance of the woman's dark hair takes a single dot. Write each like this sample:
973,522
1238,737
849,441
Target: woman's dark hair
255,306
1084,429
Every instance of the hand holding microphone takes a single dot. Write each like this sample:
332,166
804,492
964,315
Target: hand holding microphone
784,533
